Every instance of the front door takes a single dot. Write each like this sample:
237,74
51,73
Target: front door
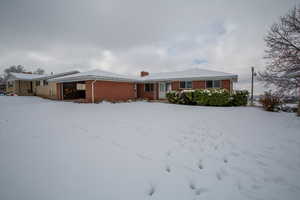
162,90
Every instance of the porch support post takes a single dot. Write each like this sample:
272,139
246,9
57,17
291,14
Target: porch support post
62,91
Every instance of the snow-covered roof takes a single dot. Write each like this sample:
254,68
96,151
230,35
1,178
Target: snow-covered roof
31,77
59,75
95,75
23,76
191,74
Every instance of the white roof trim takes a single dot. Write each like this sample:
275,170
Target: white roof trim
33,77
192,74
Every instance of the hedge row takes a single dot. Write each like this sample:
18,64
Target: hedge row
209,97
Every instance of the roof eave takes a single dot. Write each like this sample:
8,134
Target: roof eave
234,78
89,78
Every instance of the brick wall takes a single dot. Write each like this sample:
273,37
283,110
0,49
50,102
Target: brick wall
198,84
110,91
58,91
175,85
226,85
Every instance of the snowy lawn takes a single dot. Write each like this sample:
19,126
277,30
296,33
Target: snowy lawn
65,151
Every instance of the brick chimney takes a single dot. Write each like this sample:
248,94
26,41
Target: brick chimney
143,73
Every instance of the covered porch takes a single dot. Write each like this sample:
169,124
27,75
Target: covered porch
72,90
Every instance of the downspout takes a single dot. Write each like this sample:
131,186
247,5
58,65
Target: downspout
93,95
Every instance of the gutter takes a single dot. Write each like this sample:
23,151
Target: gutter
93,95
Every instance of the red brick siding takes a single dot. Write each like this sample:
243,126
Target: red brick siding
175,85
58,91
226,84
198,84
110,91
141,93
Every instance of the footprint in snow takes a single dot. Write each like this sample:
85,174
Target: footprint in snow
151,190
200,164
83,129
192,185
235,154
219,176
144,157
225,160
199,191
168,169
169,153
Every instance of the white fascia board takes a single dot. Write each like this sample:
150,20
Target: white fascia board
87,78
233,78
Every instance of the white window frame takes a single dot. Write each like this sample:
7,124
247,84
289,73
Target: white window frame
185,84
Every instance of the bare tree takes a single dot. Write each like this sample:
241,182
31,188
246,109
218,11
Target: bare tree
14,68
39,71
1,79
283,52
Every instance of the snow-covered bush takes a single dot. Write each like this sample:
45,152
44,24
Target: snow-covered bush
187,97
219,97
239,98
270,101
173,96
209,97
212,97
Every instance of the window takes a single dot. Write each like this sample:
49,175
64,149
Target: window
213,84
149,87
168,86
162,87
217,84
80,86
10,83
45,82
37,83
186,84
209,84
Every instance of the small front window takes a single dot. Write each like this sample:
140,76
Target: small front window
37,83
186,84
149,87
217,84
213,84
45,82
10,83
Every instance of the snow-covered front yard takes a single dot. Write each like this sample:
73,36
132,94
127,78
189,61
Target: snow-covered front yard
66,151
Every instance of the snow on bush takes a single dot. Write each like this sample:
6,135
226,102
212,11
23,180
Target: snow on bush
209,97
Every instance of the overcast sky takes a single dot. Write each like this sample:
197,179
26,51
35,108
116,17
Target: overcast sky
133,35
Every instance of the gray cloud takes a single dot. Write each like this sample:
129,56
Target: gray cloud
129,36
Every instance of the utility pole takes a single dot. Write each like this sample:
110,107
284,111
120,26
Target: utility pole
252,82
